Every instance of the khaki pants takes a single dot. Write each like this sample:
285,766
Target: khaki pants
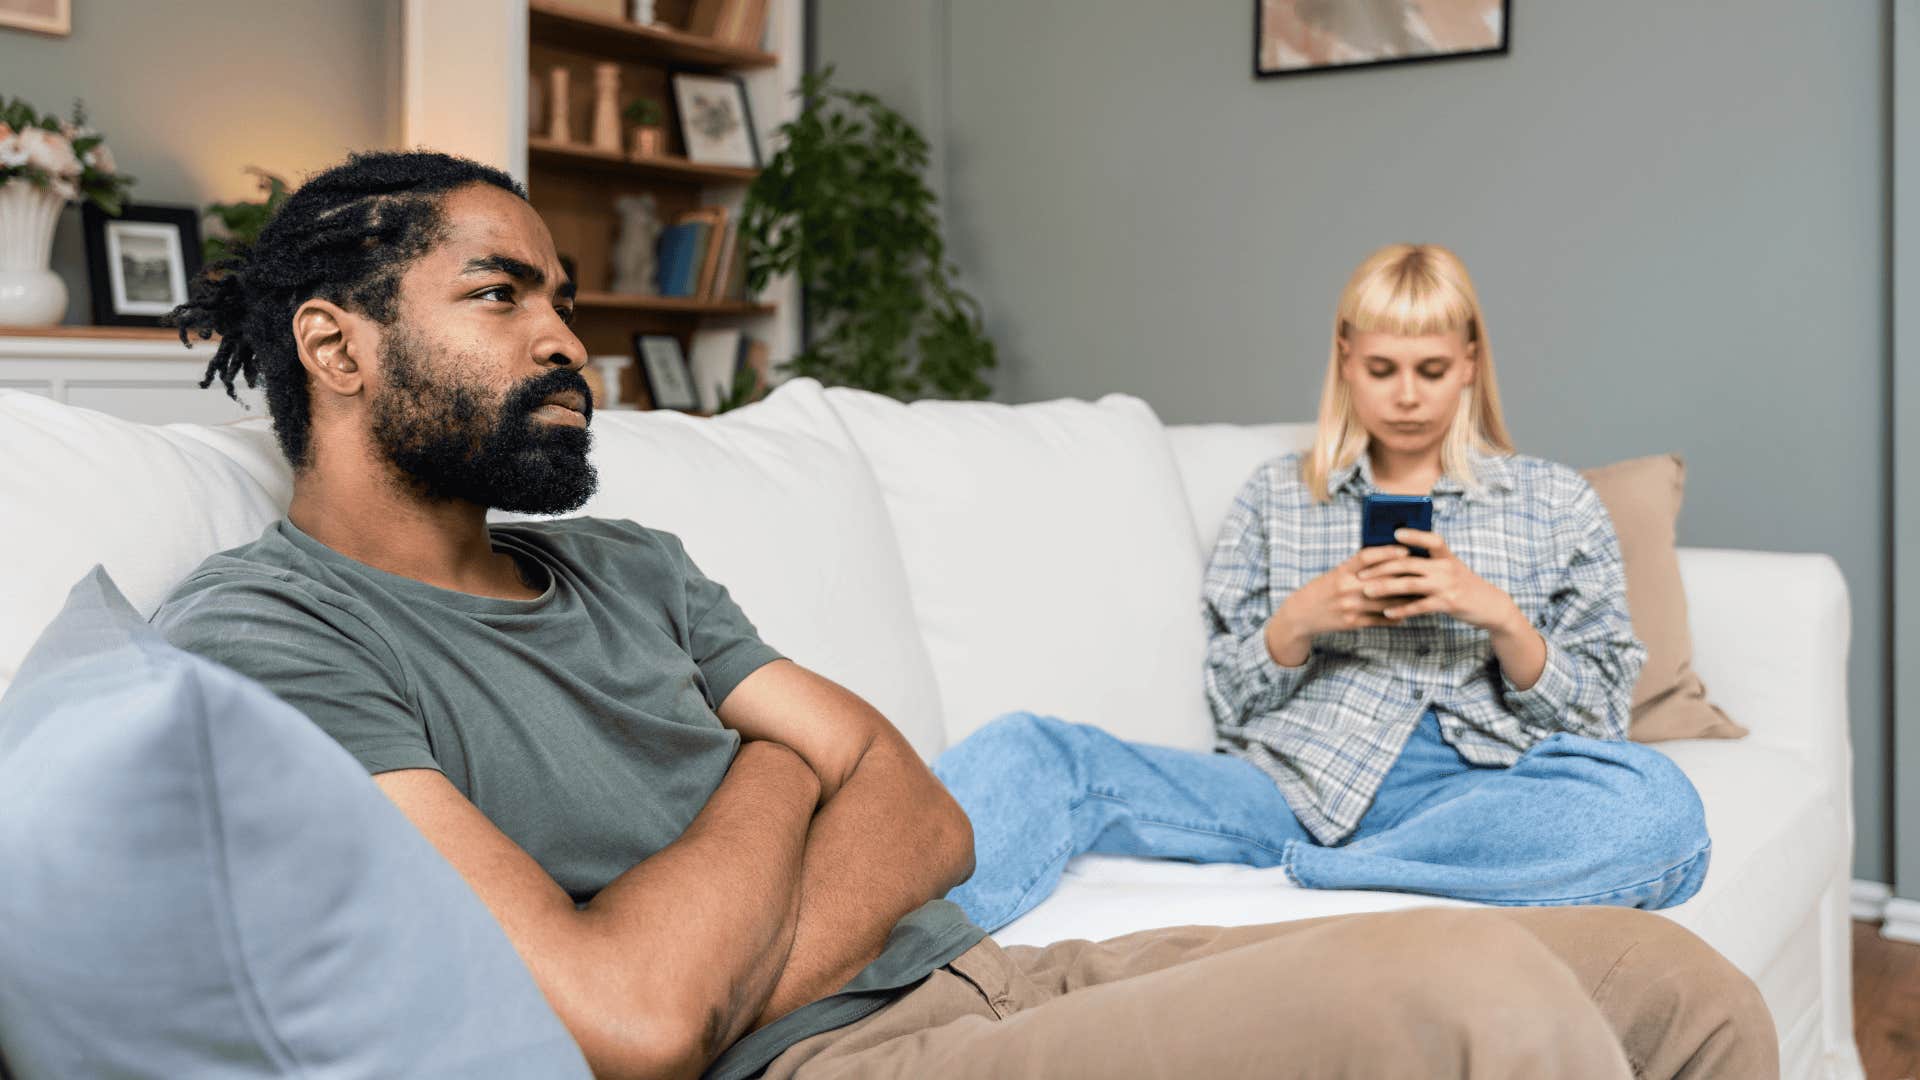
1432,992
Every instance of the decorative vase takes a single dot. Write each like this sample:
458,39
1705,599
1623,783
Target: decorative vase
606,107
31,294
559,112
649,140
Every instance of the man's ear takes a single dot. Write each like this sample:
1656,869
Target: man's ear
331,340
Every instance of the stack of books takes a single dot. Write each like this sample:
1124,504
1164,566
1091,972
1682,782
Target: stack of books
700,257
741,23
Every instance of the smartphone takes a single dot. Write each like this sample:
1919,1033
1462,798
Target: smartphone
1380,515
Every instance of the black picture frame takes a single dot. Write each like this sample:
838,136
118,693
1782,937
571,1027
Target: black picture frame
1259,32
141,234
679,79
676,391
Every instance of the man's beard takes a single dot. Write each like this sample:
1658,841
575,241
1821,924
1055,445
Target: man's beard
448,442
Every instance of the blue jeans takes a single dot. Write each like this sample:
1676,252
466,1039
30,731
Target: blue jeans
1574,821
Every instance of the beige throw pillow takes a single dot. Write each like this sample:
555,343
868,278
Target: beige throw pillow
1643,498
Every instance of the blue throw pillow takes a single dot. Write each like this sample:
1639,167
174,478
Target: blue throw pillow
197,881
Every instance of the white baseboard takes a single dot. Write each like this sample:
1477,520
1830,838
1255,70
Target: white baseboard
1902,920
1869,900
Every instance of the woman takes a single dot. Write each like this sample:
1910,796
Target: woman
1452,724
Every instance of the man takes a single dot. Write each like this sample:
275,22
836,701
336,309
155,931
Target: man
710,858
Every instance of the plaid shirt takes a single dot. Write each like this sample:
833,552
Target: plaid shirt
1328,731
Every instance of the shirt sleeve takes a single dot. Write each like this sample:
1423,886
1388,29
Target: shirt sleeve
1242,678
1593,659
318,657
720,637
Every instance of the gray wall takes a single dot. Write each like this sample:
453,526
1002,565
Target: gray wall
1673,212
190,92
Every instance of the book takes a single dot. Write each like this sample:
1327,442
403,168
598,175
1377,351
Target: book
754,358
671,254
704,18
714,355
688,283
735,285
749,29
710,261
717,288
760,359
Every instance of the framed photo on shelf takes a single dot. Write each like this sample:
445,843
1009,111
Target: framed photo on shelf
139,263
715,120
1294,37
43,16
663,368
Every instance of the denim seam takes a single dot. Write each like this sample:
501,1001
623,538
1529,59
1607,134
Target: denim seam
1183,827
1591,898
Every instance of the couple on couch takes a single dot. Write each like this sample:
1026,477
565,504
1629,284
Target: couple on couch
716,862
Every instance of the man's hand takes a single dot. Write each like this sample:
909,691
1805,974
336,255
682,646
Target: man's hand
887,838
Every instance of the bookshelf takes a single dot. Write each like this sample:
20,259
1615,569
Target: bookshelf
456,99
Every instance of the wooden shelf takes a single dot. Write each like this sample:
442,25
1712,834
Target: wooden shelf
563,26
671,169
676,305
100,333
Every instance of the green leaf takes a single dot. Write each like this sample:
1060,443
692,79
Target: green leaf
844,205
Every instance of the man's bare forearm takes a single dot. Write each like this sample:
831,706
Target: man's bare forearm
730,889
889,840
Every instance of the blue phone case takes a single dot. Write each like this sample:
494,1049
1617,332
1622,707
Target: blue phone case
1380,515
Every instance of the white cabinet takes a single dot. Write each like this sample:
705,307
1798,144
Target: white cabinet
153,381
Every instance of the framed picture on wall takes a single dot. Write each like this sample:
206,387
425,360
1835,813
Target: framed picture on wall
663,368
715,120
1295,37
139,263
41,16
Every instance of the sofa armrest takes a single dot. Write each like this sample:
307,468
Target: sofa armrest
1770,638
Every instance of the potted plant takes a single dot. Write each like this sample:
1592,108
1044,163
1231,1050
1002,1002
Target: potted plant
45,163
243,220
844,207
649,132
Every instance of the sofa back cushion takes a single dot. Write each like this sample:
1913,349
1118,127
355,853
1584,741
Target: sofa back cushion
1216,460
148,502
199,882
1051,558
775,502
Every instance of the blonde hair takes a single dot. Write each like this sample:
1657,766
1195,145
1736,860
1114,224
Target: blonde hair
1415,290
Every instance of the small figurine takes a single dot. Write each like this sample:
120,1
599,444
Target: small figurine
633,250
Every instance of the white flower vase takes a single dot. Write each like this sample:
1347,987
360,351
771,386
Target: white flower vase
31,294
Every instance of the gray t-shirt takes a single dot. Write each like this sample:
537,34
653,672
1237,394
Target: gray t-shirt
581,723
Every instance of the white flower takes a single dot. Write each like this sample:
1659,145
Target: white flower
101,158
50,151
65,188
11,152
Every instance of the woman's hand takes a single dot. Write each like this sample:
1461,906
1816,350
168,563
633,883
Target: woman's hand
1440,584
1333,601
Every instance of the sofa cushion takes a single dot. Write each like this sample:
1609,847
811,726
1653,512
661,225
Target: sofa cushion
199,882
775,502
1051,558
1216,460
1642,496
148,502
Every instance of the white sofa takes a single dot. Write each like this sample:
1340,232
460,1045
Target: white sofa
954,561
